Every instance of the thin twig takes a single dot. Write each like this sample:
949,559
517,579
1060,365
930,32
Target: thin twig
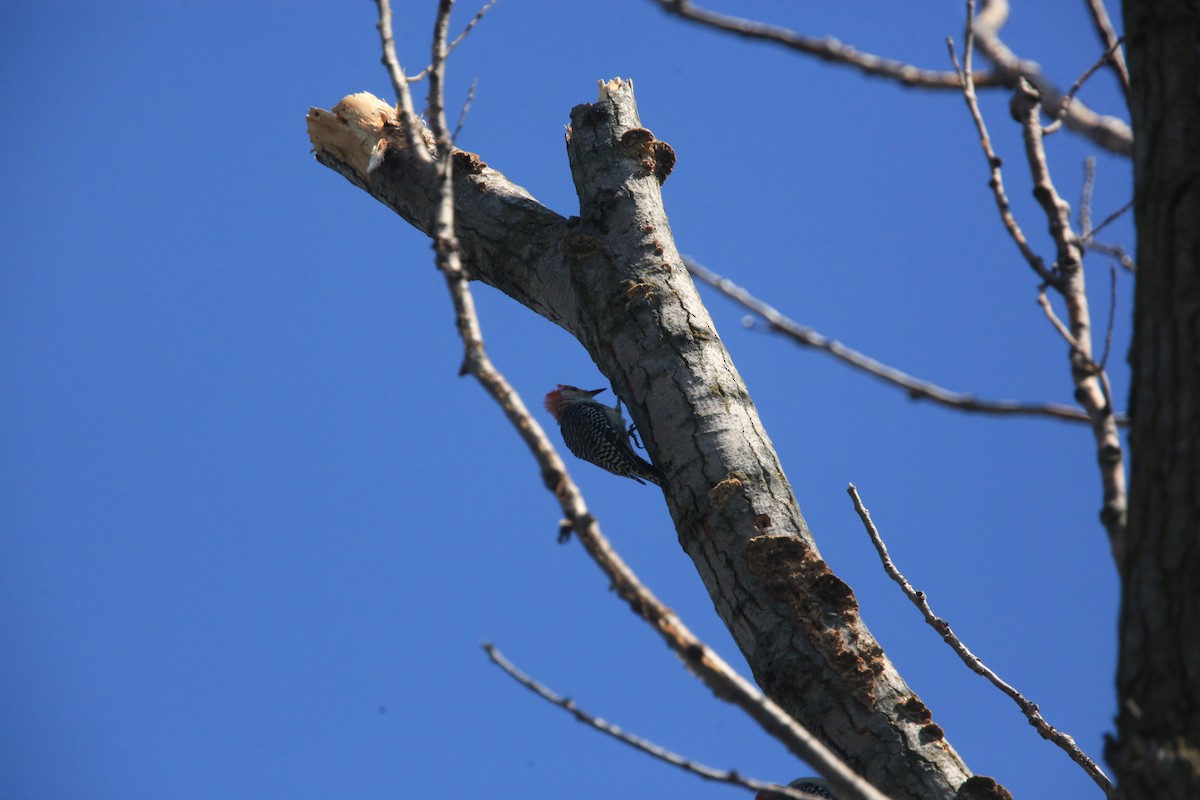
996,179
437,82
1090,381
1087,232
973,662
445,242
1112,317
389,60
462,114
827,49
457,41
1108,132
1058,325
1115,250
1066,278
637,742
1109,39
1107,220
399,82
1085,227
917,389
1075,87
1085,196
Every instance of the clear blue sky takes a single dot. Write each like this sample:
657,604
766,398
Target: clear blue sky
253,528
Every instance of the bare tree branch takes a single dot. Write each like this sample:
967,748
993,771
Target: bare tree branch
1110,40
1091,384
916,388
1075,87
1029,709
389,60
1117,251
1057,324
827,49
1087,232
437,94
1107,132
1085,195
996,181
466,109
1112,319
399,82
457,40
706,664
1109,219
637,742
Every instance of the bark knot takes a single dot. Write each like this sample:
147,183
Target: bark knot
655,158
578,246
635,291
981,787
723,492
467,163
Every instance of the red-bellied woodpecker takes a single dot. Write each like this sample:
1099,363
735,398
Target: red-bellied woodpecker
814,786
597,433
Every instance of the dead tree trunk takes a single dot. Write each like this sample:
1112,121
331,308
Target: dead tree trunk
613,278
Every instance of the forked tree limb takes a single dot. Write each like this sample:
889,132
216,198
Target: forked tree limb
614,279
703,662
1108,132
1092,388
1111,133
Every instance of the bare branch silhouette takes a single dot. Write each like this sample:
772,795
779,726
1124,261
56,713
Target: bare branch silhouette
1067,278
1110,40
1087,232
1028,708
404,102
1107,132
457,40
916,388
1075,87
1091,383
637,742
827,49
996,181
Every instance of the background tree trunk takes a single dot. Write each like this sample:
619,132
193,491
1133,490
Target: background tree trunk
1156,752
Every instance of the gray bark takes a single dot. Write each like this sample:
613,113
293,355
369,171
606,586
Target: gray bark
613,278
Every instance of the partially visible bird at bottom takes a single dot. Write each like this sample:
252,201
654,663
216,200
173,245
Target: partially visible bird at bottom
814,786
597,434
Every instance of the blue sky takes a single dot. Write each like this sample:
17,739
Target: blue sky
253,527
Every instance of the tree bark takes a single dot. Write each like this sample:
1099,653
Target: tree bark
1156,751
613,278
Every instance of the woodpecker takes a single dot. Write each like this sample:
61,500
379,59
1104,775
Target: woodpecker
814,786
597,433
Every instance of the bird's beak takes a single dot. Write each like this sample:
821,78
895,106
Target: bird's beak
595,392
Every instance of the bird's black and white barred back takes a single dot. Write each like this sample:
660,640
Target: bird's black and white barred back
814,786
597,434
